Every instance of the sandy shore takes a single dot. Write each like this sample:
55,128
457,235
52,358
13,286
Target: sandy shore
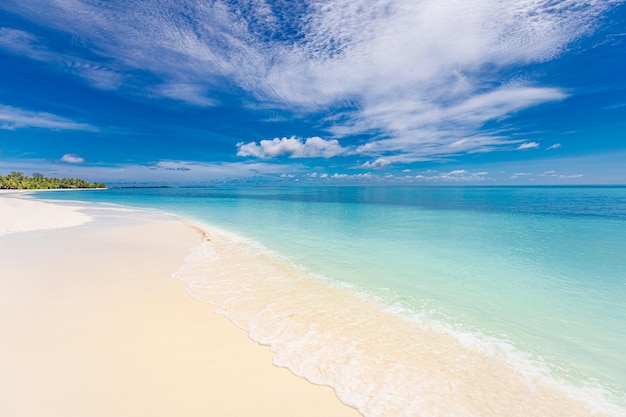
92,324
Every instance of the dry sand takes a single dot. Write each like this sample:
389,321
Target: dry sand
92,324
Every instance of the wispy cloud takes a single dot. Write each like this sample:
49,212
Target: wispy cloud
421,79
314,147
12,118
23,43
191,93
527,145
550,173
615,106
552,147
98,74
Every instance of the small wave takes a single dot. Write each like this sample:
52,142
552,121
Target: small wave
382,360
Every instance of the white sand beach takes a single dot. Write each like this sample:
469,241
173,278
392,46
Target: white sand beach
93,324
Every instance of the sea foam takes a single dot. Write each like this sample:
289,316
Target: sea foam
382,359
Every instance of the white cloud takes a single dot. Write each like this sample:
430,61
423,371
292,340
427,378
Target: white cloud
314,147
72,158
555,146
354,177
457,175
463,175
415,72
528,145
379,163
550,173
25,44
571,176
607,168
420,132
15,118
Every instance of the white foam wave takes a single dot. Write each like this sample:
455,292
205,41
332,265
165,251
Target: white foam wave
383,360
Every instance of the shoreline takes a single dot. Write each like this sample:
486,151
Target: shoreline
372,356
96,324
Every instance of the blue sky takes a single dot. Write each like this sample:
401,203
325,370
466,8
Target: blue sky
325,92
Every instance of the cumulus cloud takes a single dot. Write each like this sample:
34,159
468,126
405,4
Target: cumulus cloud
314,147
72,158
555,146
527,145
379,163
12,118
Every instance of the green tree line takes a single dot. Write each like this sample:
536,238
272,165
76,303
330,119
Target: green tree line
18,181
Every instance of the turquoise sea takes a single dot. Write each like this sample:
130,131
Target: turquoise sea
420,301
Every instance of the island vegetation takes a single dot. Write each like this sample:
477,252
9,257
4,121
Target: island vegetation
18,181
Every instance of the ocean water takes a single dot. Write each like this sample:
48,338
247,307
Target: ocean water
421,301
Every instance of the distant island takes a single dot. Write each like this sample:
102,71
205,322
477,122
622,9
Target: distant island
18,181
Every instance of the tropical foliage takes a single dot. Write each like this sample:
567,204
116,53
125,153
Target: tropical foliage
18,181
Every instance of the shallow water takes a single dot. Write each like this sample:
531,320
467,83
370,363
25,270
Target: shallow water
421,301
